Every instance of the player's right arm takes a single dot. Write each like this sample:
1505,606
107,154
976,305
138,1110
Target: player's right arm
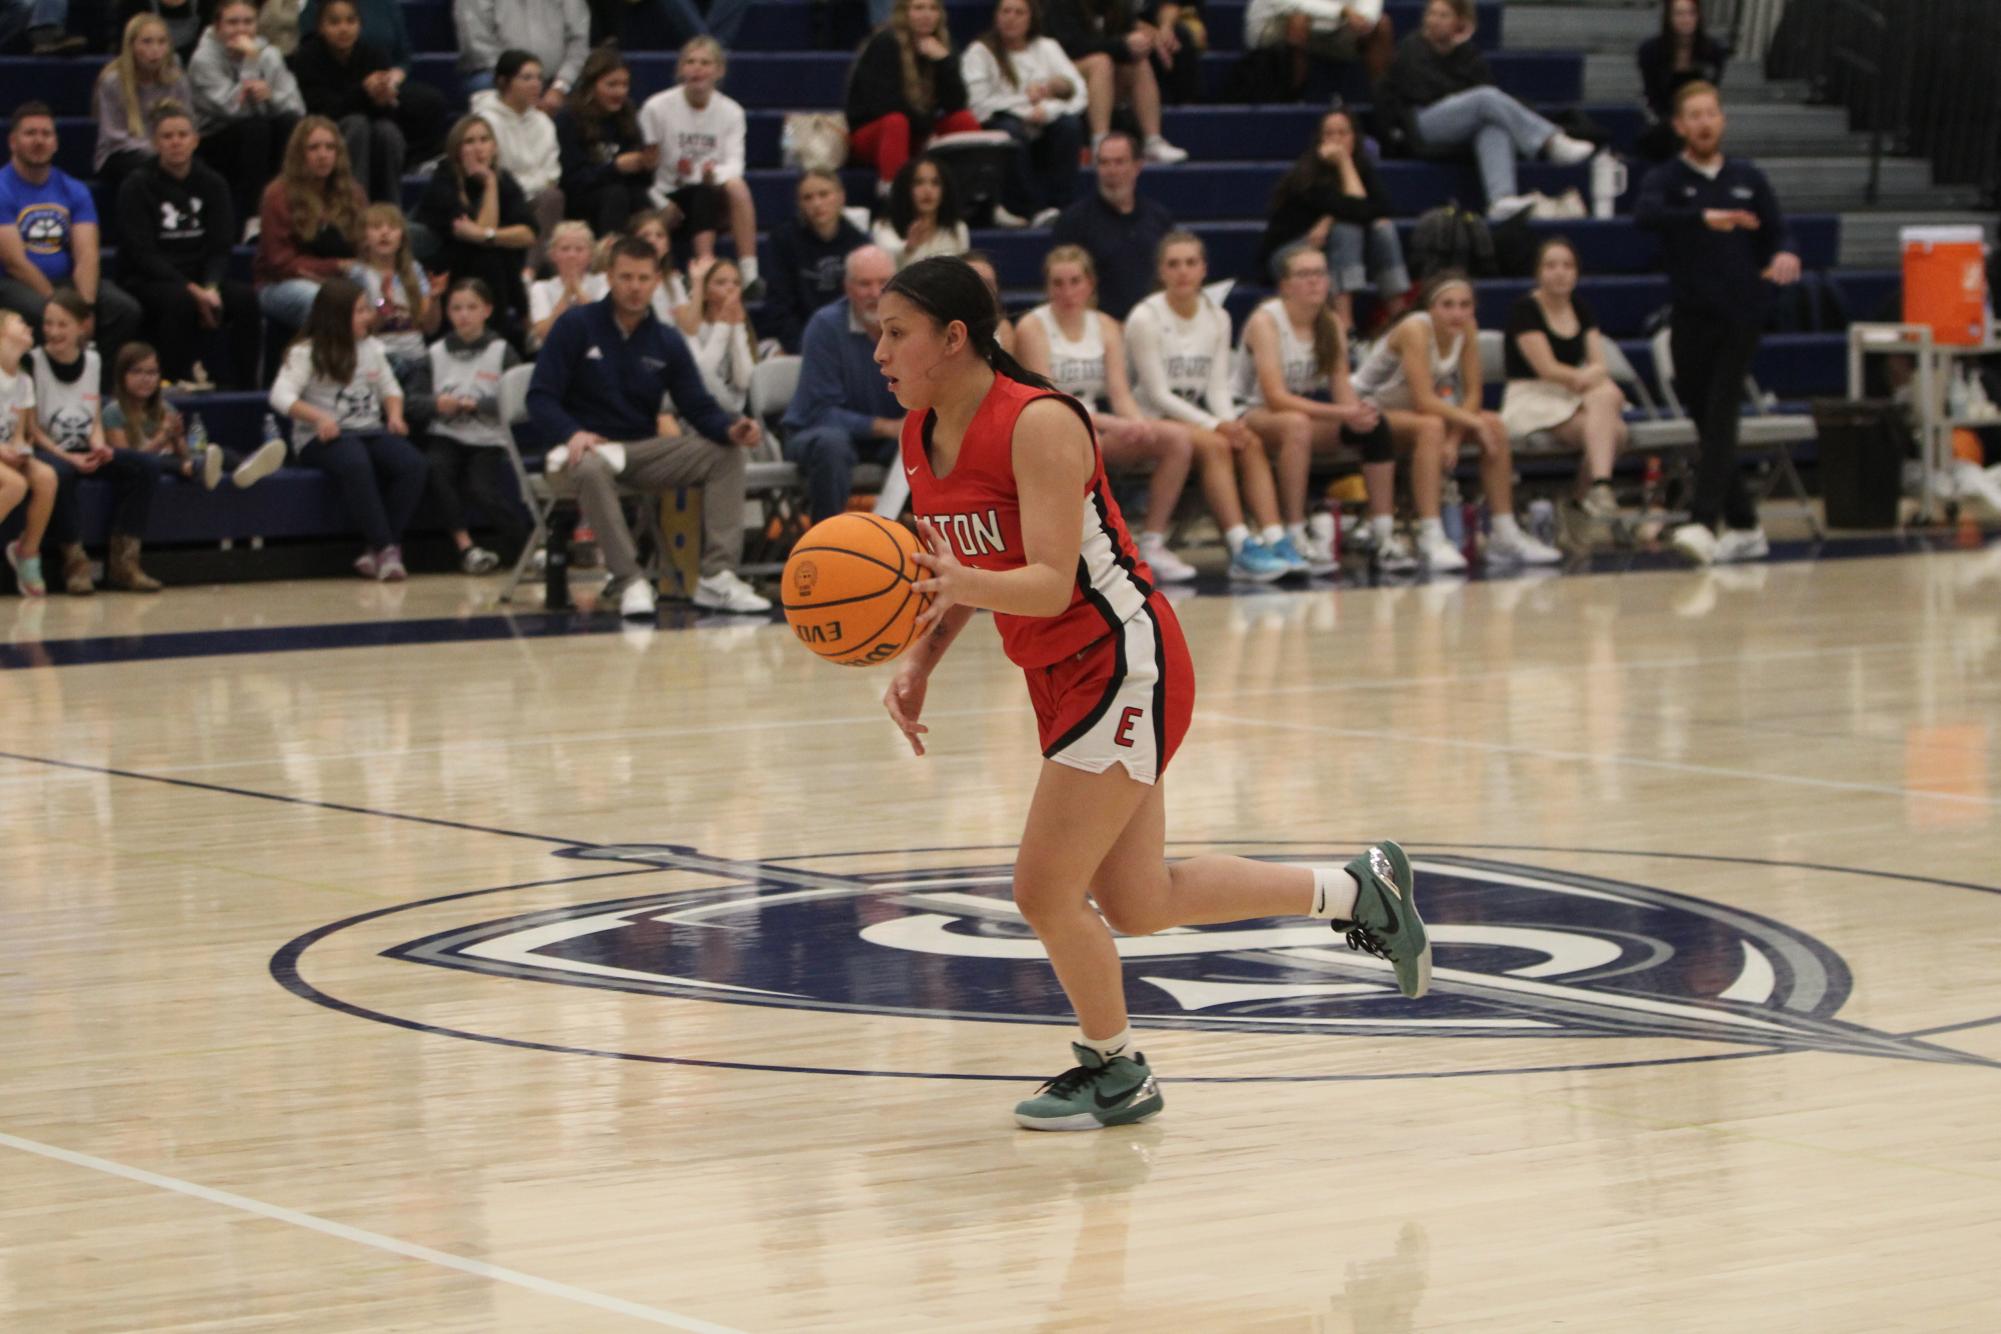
905,697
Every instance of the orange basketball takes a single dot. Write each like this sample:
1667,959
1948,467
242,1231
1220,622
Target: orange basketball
849,589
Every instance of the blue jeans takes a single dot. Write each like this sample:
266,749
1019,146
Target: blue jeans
289,302
725,19
1495,124
381,479
827,455
1355,255
23,16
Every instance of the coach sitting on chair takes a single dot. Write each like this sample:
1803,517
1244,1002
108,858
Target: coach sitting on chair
598,380
843,410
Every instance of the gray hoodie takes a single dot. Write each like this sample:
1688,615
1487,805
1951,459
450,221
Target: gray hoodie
218,78
556,32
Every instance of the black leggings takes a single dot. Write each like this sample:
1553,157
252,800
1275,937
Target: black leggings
1377,446
485,471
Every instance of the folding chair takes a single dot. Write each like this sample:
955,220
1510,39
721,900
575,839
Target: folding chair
535,491
771,482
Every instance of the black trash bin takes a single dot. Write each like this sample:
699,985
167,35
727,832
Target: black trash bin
1863,445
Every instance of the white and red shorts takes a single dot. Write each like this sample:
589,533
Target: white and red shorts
1123,699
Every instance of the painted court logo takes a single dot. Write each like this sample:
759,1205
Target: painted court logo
1521,952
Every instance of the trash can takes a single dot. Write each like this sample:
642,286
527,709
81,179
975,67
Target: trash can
1862,447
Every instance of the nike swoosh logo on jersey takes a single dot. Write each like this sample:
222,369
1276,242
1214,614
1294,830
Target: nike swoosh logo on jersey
910,469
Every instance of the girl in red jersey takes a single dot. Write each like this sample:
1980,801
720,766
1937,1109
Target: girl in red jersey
1016,516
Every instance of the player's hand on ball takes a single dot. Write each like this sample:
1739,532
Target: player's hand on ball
946,586
905,700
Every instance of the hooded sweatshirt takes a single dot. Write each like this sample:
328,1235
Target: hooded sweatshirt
217,76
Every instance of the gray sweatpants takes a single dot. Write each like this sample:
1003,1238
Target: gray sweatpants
654,467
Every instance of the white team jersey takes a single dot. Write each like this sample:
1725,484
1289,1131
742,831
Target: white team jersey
17,391
1302,368
67,411
1189,351
1381,378
1077,368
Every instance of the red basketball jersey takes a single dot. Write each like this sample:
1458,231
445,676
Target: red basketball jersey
978,512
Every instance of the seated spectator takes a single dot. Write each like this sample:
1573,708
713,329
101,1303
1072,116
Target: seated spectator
1113,51
1120,230
607,167
1020,82
145,74
278,24
983,264
1180,38
382,20
23,477
555,34
44,23
1293,377
139,417
68,429
599,380
724,343
480,219
355,81
48,233
400,294
1420,374
683,20
1557,380
183,19
1179,341
246,104
1441,94
843,411
177,225
347,411
310,222
1083,352
670,294
468,440
807,255
1681,53
699,177
922,219
526,138
1334,201
1333,32
549,299
904,90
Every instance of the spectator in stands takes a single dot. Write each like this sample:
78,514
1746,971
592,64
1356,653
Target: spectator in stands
145,75
48,233
1294,382
573,285
1333,32
183,18
1557,380
904,90
468,440
807,255
400,294
246,104
177,225
1424,375
480,219
922,219
1121,230
382,20
310,222
599,380
347,410
1441,94
526,138
683,20
139,417
68,429
556,34
44,22
1681,53
670,294
1179,341
724,342
1019,81
843,411
355,81
983,264
1334,201
607,166
1111,49
1083,351
278,24
699,176
1723,240
23,477
1181,38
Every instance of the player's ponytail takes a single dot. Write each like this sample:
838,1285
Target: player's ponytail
947,288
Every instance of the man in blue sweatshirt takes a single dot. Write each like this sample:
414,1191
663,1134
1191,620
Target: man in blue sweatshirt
843,411
598,380
1723,240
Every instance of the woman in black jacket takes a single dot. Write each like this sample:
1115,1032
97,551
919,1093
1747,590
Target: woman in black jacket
1334,201
481,222
905,90
1114,52
1682,52
383,115
607,165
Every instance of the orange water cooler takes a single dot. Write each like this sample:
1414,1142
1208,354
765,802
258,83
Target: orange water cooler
1945,283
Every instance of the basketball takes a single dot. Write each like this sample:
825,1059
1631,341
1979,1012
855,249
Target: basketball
849,591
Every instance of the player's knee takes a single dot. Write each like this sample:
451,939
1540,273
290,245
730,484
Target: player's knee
1431,433
1130,919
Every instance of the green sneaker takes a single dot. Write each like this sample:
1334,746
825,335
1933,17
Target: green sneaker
1093,1094
1386,922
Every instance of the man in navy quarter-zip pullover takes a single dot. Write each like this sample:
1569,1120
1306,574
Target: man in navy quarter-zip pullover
1723,240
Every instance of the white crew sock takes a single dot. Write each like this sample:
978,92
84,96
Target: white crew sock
1119,1044
1271,535
1150,541
1430,531
1384,526
1297,532
1334,892
748,268
1235,536
1505,527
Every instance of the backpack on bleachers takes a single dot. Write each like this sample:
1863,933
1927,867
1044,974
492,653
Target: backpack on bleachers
1450,237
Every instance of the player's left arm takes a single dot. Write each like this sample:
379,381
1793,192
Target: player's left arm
1052,465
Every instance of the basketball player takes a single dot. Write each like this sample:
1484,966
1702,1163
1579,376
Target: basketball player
1010,469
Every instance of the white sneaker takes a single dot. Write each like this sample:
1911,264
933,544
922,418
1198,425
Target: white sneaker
1440,556
1046,218
1741,544
270,457
1395,556
211,468
1168,568
1566,151
1318,546
1014,222
1522,547
1500,210
724,591
1695,542
1601,503
478,560
1159,150
636,603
